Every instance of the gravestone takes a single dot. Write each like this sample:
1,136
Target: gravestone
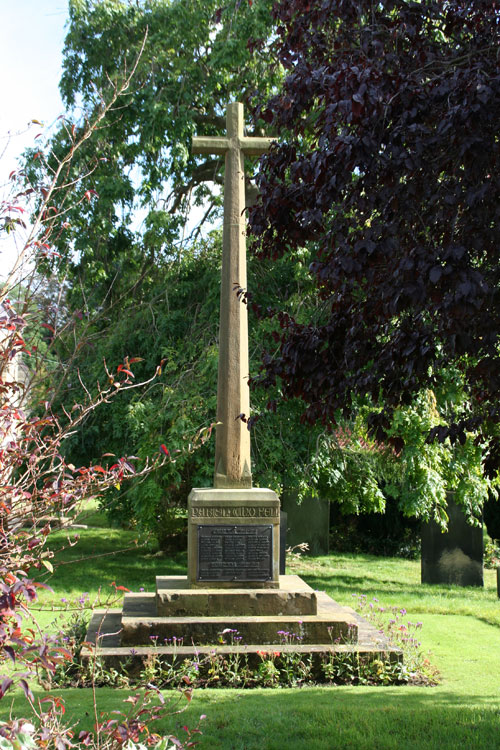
283,529
308,521
455,556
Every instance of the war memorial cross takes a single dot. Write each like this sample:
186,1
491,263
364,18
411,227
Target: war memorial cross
232,446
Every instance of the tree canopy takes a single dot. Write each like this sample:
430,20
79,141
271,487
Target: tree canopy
141,292
143,178
387,171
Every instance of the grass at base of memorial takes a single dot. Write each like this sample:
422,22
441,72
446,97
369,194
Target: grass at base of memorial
461,627
462,712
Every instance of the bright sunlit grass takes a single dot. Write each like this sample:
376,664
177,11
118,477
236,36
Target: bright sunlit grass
461,627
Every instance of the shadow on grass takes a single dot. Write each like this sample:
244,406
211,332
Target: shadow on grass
356,718
324,718
373,585
480,603
103,555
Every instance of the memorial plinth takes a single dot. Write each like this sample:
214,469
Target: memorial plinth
233,538
186,622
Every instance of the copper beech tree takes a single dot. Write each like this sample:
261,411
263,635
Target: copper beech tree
387,173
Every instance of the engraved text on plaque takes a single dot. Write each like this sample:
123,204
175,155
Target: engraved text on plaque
235,553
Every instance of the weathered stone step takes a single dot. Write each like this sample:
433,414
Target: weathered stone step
372,645
140,624
207,630
175,599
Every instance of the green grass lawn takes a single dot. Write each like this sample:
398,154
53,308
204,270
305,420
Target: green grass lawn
461,627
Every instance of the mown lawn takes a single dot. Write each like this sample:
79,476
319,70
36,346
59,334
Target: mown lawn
461,627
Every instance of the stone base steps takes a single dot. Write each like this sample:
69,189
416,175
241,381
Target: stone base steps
259,616
139,632
104,629
174,598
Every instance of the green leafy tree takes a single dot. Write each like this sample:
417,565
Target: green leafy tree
178,329
196,58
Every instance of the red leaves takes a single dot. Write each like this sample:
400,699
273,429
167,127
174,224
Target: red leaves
122,368
26,689
5,685
89,193
119,588
383,181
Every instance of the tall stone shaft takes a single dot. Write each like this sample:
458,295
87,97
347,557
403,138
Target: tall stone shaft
232,449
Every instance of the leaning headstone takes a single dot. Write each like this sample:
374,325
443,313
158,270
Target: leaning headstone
455,556
307,521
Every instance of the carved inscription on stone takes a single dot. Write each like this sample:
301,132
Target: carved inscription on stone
235,553
240,511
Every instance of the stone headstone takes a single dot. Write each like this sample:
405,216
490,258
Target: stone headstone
455,556
308,522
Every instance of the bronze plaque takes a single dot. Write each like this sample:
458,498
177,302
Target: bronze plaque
235,553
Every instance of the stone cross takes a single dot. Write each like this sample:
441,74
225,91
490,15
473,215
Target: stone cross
232,446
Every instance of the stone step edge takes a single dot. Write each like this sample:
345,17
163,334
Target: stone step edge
152,620
290,583
184,651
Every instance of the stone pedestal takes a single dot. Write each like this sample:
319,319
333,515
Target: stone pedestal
233,538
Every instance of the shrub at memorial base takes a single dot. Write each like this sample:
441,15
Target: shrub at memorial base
402,633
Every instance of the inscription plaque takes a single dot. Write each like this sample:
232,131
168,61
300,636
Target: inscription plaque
235,553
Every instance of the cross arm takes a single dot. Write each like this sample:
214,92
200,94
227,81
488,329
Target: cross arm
254,146
209,145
